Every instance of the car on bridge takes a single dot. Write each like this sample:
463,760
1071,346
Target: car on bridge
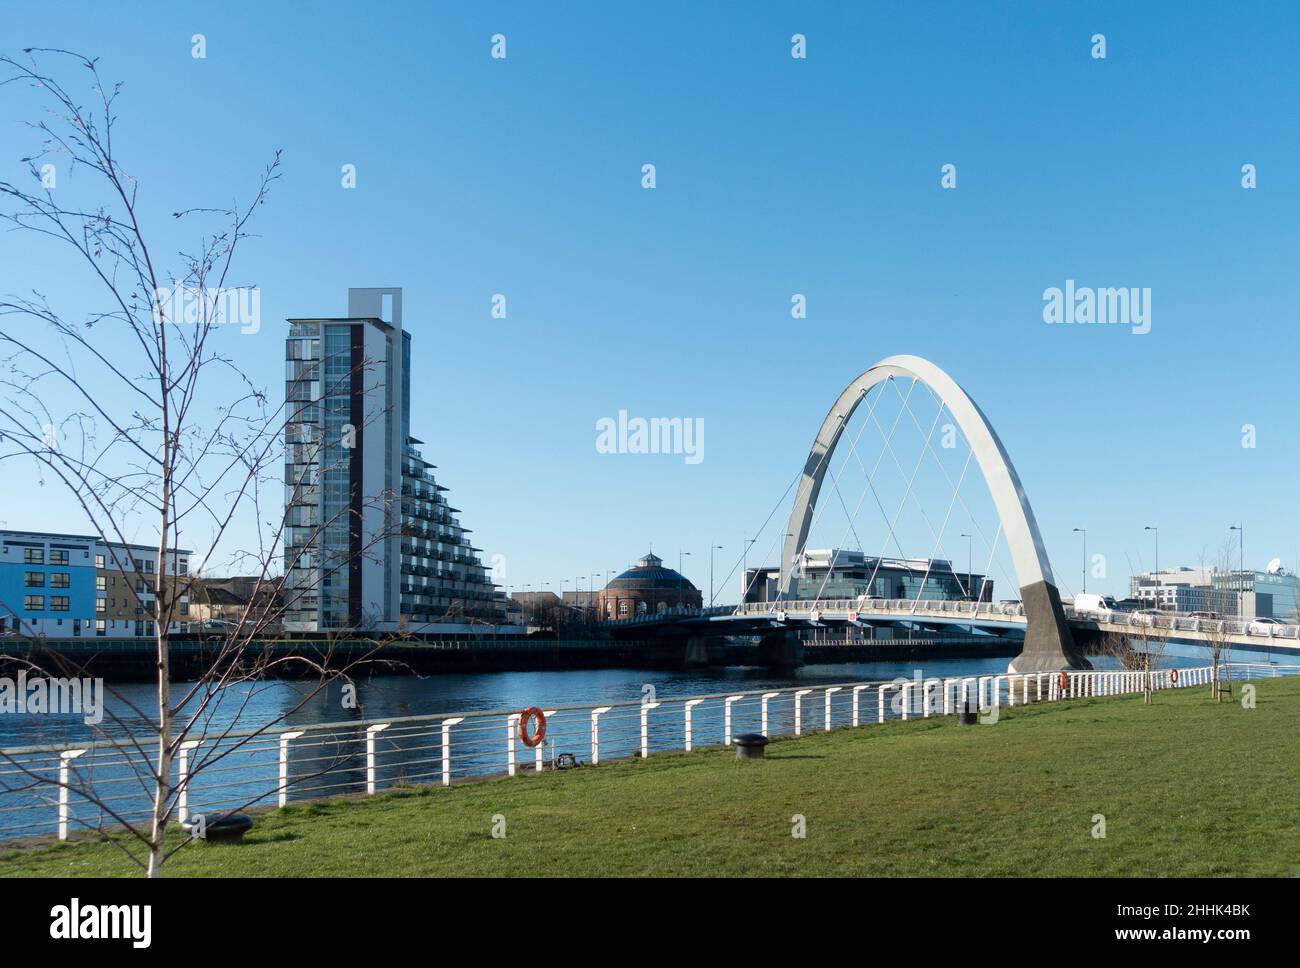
1265,626
1101,606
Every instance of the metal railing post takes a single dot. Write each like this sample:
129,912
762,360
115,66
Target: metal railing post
183,779
690,704
370,754
832,689
537,750
798,709
763,706
512,726
595,733
857,695
726,719
284,763
447,724
65,759
645,727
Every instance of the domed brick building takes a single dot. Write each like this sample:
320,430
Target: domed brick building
647,589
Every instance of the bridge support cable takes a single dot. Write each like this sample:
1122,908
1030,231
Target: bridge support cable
942,528
741,557
825,458
966,507
853,453
911,482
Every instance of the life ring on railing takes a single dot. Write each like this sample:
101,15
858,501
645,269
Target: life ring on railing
1063,681
1173,675
532,740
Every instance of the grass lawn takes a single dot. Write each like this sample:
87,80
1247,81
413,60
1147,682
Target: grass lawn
1186,787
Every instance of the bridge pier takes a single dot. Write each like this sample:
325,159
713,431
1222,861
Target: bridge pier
697,651
781,650
1049,644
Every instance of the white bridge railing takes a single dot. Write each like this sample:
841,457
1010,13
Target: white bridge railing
42,788
1011,612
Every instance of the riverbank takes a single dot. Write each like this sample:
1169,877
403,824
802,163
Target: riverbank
1186,788
135,660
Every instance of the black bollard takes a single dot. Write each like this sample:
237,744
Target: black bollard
749,746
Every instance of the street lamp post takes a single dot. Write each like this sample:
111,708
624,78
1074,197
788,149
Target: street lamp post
744,568
1241,592
681,579
970,563
1084,532
712,548
1156,532
781,594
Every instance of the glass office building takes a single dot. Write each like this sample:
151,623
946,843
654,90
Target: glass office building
839,574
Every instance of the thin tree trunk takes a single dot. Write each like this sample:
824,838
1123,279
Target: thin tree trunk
162,616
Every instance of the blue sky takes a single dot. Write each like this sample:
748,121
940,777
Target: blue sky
775,176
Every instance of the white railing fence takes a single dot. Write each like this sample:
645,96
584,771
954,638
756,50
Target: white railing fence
1012,612
39,785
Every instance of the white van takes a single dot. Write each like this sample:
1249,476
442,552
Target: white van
1095,604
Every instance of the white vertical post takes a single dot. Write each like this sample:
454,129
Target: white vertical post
979,692
595,733
798,709
905,691
370,755
447,724
690,704
284,763
947,700
880,703
645,726
1039,686
927,694
857,695
1011,690
832,689
537,750
726,719
512,726
1025,685
763,706
64,778
182,779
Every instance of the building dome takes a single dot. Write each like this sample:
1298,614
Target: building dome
648,588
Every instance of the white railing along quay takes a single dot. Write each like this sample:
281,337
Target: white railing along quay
39,785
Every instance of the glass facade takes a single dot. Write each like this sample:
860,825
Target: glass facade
426,554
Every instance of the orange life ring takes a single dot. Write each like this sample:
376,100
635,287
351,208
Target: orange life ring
532,712
1173,675
1063,681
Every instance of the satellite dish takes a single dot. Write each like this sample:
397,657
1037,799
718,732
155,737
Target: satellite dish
1275,566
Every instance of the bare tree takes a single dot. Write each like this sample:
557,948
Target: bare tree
1218,638
144,425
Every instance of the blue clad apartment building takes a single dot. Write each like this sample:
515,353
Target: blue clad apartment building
79,586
